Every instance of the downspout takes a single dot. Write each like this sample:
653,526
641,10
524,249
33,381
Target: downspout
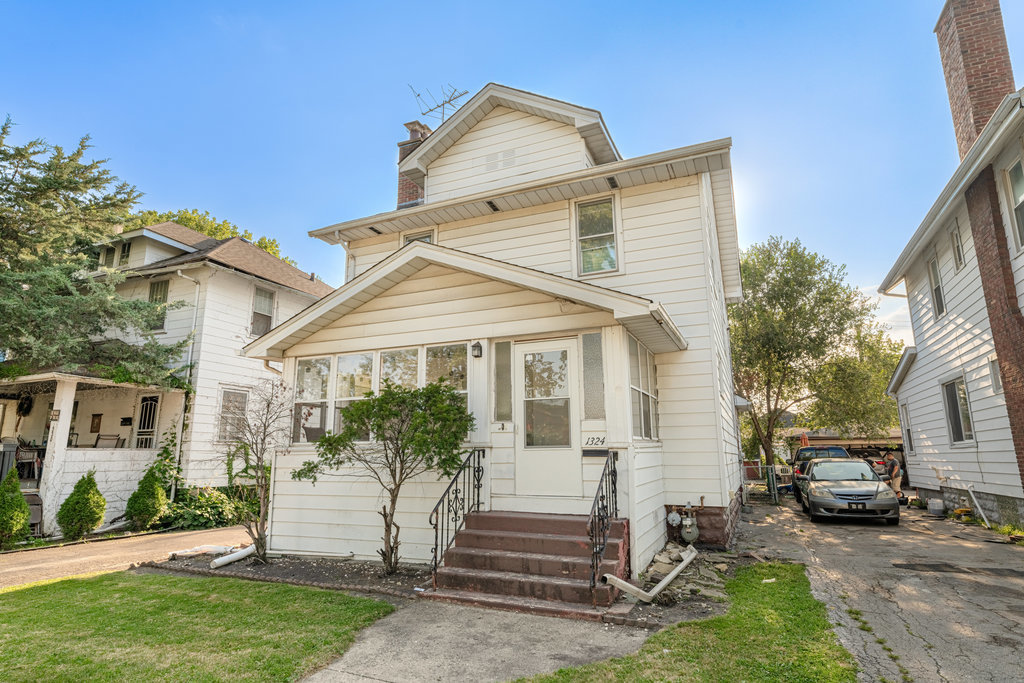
184,402
644,596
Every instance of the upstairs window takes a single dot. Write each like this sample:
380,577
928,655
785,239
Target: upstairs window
158,295
958,247
126,252
595,231
908,439
997,379
108,257
427,236
936,286
1016,178
262,312
958,411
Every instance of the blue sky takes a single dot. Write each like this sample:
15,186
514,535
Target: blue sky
283,117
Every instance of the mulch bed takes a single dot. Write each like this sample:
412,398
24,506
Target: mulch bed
317,572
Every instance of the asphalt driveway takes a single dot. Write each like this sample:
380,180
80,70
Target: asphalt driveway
101,556
946,599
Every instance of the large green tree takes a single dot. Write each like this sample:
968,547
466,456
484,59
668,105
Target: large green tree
55,207
798,317
208,225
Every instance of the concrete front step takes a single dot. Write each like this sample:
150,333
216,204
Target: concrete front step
537,522
565,566
556,588
517,604
526,542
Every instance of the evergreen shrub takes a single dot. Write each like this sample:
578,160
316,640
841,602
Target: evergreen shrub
148,503
82,512
14,512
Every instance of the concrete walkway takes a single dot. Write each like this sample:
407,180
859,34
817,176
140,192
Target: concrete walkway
100,556
948,599
427,640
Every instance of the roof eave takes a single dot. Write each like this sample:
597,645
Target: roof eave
906,360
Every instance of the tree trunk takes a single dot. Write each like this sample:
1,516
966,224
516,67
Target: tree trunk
389,553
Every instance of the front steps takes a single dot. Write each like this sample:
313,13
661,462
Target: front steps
530,562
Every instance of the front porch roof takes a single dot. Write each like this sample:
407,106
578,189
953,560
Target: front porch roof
84,382
645,319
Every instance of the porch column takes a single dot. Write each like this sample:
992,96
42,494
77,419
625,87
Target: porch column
50,483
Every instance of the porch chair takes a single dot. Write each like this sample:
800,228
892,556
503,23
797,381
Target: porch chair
106,440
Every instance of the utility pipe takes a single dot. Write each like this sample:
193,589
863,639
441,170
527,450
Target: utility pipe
234,557
969,488
688,556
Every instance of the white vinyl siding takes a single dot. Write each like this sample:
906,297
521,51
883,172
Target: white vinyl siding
505,147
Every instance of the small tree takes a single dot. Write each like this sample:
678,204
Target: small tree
414,431
82,512
260,431
14,512
148,502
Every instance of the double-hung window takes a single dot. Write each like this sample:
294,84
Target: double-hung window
108,257
158,295
908,439
126,252
643,391
958,247
449,363
309,420
997,378
935,282
353,379
233,404
958,411
595,234
262,312
1016,183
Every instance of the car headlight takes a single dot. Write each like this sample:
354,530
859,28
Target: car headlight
820,492
885,494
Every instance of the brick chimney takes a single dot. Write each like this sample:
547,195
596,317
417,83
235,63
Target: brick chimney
409,193
976,63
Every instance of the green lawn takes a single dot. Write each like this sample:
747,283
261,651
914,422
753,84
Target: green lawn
772,632
159,627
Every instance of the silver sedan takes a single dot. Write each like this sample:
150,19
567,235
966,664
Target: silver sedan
847,488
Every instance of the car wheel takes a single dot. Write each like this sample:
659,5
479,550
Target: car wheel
817,519
796,494
893,522
803,505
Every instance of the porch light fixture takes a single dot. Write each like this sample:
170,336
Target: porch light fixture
477,349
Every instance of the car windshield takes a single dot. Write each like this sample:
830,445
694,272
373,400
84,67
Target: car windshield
821,452
854,470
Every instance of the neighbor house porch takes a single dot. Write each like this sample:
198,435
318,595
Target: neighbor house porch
55,427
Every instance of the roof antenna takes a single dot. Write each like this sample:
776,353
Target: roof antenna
443,108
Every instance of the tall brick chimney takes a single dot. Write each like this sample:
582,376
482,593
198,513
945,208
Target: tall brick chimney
976,63
409,193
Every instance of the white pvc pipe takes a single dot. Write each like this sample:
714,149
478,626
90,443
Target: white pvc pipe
234,557
689,556
970,490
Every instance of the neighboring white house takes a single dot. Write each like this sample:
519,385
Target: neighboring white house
960,387
232,292
525,246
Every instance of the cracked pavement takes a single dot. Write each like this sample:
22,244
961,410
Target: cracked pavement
947,598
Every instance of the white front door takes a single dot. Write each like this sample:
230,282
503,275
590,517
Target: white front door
548,457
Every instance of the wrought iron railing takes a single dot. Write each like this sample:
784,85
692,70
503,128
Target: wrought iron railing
603,512
460,498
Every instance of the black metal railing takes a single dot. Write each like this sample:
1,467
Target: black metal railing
460,498
604,510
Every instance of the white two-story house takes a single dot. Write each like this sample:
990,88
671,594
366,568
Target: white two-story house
960,387
230,292
576,297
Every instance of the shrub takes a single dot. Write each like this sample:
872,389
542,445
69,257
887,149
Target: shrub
14,511
202,508
148,502
82,512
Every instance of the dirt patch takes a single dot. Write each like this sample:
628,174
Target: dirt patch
320,572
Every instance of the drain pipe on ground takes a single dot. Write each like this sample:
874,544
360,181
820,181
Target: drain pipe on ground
688,556
234,557
969,488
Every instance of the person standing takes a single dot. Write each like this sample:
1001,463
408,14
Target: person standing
895,472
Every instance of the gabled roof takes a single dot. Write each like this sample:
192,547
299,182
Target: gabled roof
587,121
646,320
906,360
238,254
179,233
994,137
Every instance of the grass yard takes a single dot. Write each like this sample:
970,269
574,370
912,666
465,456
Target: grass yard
136,627
772,632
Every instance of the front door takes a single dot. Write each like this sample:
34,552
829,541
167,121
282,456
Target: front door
548,457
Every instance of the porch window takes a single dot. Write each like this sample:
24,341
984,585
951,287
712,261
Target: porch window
400,366
233,404
310,416
448,362
158,295
595,231
958,411
593,377
145,436
643,390
262,312
1016,182
503,381
353,379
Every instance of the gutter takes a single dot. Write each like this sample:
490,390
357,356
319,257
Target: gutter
1008,112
